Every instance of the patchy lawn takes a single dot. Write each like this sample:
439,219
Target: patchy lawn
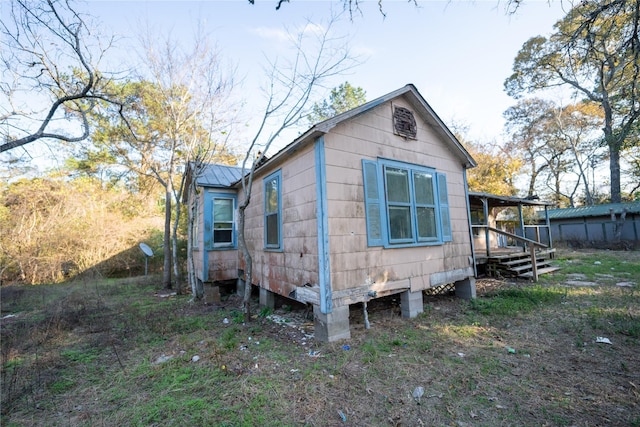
121,353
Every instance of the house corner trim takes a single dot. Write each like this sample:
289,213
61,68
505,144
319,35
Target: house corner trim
324,268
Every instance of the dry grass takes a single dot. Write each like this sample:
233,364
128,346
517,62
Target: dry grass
92,354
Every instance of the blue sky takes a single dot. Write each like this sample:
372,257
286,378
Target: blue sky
457,53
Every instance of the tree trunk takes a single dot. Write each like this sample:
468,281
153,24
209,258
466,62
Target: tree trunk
197,289
174,247
248,266
166,244
614,169
614,150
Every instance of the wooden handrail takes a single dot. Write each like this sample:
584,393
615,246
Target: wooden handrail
515,236
532,247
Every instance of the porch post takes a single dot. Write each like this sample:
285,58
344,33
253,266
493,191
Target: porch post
520,217
546,216
534,262
485,211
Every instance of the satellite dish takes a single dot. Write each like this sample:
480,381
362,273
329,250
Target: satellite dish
146,249
148,252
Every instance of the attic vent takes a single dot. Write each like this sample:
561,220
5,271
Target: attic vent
404,123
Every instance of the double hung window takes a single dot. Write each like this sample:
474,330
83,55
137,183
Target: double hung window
273,211
405,204
220,221
223,224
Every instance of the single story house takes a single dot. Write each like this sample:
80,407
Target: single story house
371,202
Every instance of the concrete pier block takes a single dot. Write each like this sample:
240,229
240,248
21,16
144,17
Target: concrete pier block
332,326
411,304
267,298
466,289
240,284
212,294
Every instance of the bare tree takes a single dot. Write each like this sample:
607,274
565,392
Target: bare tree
351,6
48,49
319,56
200,72
176,110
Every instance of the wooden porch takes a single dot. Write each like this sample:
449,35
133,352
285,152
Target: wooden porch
514,262
527,252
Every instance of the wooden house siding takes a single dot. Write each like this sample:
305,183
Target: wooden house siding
337,236
216,264
198,258
353,262
296,263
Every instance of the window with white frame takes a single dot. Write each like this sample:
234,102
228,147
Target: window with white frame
219,228
405,204
223,221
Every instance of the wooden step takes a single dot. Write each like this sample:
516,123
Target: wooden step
523,260
523,254
515,255
540,264
540,271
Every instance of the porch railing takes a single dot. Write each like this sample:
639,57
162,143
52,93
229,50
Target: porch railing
531,244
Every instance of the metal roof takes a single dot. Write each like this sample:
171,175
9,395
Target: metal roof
219,176
495,200
591,211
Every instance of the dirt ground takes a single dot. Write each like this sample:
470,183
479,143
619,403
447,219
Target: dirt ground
573,361
543,368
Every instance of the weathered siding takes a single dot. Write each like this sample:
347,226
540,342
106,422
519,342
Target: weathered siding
223,265
198,259
353,263
297,263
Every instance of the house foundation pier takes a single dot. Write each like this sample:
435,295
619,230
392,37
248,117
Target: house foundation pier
267,298
332,326
466,289
411,303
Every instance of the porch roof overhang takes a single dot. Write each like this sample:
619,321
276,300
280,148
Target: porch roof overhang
495,201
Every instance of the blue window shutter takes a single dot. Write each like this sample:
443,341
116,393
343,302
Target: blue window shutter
372,202
443,199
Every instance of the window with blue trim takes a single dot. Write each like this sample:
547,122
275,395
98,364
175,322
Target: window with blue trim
405,204
220,221
273,211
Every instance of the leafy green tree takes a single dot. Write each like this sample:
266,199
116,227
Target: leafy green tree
496,171
161,131
342,98
594,51
557,144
